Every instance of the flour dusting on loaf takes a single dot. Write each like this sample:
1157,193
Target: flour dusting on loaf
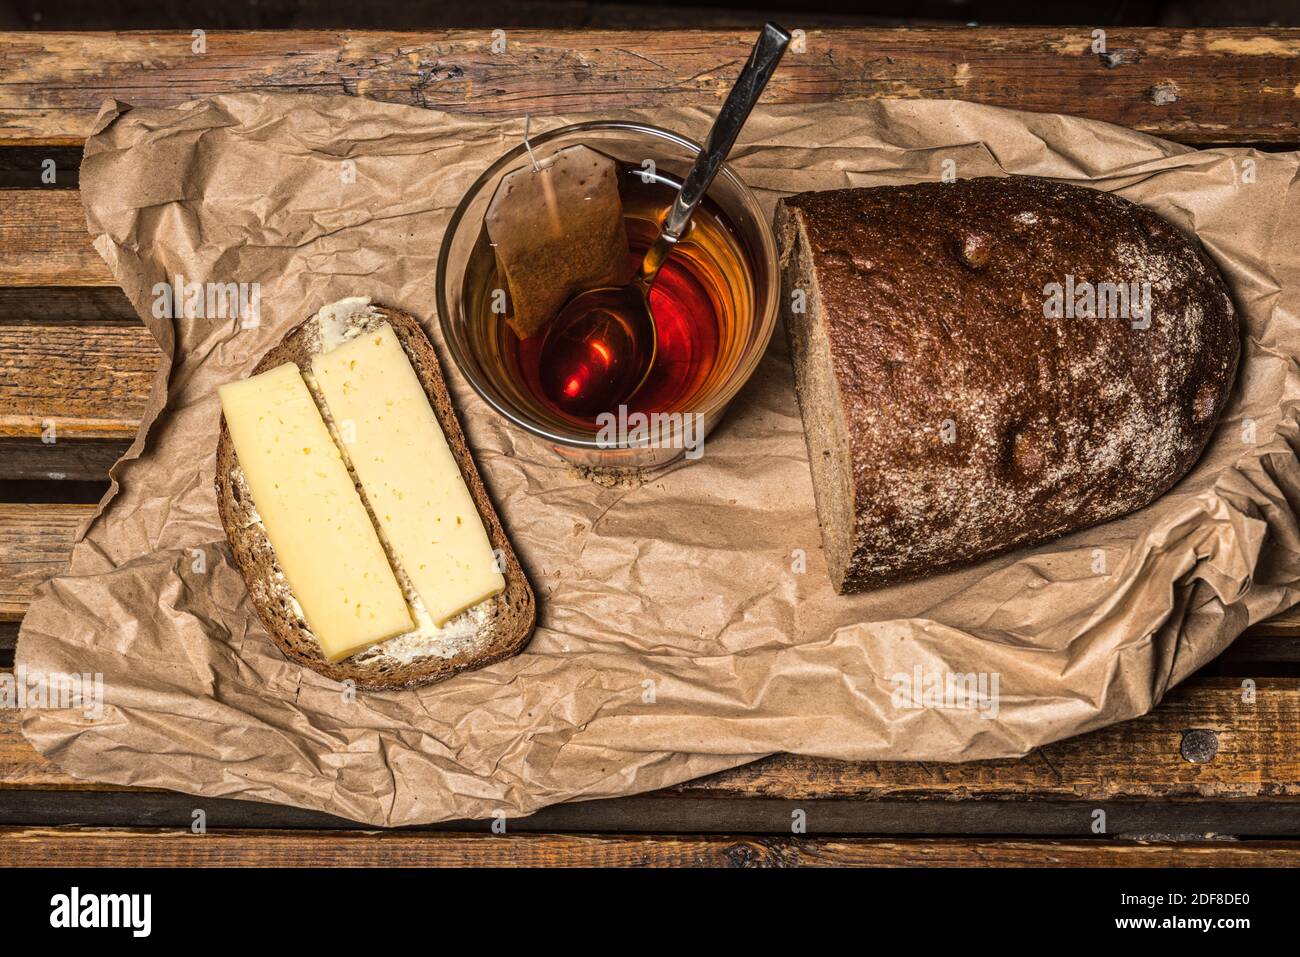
960,396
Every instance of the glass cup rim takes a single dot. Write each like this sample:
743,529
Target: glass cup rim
766,323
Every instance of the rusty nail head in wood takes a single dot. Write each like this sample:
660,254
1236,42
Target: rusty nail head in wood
1200,745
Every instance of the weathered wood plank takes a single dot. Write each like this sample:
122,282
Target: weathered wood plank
44,242
71,391
87,847
1257,757
63,382
1195,85
35,542
87,380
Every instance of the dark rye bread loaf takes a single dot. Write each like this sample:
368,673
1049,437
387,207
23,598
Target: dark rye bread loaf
501,629
947,418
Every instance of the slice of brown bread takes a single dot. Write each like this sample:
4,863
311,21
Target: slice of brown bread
497,628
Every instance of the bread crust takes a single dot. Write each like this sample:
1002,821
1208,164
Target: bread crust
948,420
512,617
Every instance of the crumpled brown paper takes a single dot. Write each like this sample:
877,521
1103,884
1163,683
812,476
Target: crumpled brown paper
678,635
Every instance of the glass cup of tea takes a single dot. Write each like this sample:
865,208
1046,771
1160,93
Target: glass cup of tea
714,305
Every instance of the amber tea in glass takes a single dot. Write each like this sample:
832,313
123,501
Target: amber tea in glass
702,302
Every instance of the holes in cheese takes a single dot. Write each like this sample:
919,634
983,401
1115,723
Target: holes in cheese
407,472
316,522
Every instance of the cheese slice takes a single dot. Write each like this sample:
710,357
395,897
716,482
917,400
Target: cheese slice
324,541
410,478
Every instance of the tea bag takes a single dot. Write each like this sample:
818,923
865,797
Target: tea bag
558,230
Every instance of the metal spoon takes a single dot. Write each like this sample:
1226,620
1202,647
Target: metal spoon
615,321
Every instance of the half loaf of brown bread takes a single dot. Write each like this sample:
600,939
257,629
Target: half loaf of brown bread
988,364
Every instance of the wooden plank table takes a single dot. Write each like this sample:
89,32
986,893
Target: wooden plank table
1206,780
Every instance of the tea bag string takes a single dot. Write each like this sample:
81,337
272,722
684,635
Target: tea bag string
554,220
528,119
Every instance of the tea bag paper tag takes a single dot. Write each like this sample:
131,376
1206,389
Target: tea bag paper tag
558,230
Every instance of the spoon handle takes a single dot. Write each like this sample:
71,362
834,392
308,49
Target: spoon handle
749,86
